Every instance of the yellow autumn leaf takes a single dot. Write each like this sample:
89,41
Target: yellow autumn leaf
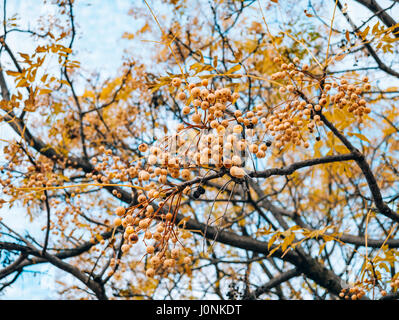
22,83
360,136
45,91
364,33
13,73
234,69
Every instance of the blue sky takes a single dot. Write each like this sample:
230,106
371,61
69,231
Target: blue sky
99,47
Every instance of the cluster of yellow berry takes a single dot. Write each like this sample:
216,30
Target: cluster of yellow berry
298,111
227,135
350,96
137,221
37,176
354,293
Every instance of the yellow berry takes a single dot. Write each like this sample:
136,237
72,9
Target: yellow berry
150,273
237,172
150,249
117,222
120,211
